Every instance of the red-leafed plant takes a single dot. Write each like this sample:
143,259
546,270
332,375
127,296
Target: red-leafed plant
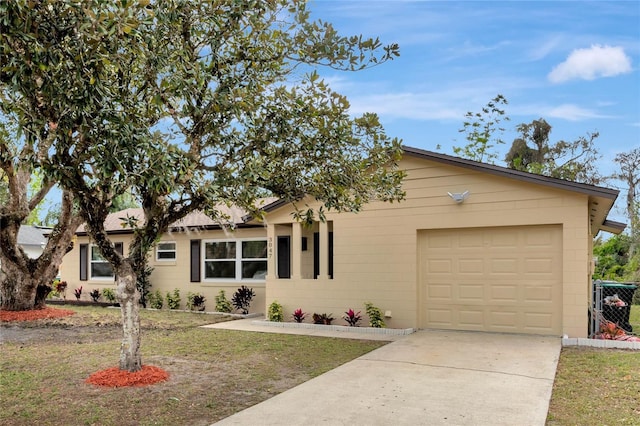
352,318
610,330
78,292
298,316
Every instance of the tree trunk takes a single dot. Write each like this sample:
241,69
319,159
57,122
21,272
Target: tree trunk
129,297
17,290
42,291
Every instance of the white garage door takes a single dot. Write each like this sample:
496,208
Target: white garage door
503,279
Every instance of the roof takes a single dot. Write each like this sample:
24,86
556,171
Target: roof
31,236
601,199
115,222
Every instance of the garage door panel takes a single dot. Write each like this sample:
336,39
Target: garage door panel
439,293
471,266
441,318
503,240
440,266
469,240
470,292
505,293
503,266
505,279
538,294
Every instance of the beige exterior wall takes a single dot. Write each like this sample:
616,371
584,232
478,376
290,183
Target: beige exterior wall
168,275
376,250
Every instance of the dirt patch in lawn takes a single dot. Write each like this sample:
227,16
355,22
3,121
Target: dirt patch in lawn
213,373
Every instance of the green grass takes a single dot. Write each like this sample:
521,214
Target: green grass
634,318
597,386
213,373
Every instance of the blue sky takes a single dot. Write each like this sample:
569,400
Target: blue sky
574,63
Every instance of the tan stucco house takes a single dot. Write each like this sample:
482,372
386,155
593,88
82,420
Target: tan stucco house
473,247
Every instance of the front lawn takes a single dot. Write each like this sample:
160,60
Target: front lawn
597,386
213,373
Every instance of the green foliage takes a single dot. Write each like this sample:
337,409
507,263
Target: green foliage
155,300
482,132
173,299
242,298
532,152
195,301
190,106
611,258
222,303
275,312
109,294
375,316
95,295
325,319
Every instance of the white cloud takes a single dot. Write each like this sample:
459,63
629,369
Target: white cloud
572,113
546,47
594,62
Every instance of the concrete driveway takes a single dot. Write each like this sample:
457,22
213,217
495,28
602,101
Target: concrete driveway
427,378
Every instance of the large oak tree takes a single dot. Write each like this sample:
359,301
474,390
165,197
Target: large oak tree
191,105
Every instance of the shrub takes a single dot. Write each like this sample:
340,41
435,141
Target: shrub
222,303
155,300
60,287
322,319
352,318
298,316
242,299
95,295
375,316
109,294
78,292
173,300
195,301
275,312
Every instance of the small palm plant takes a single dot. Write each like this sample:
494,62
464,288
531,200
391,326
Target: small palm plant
352,318
298,316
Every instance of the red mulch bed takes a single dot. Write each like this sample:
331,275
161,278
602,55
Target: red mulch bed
116,378
34,314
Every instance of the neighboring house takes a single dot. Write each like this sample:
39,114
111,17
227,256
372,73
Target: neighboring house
473,247
32,239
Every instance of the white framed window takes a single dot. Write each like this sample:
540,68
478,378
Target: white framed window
99,268
166,251
243,259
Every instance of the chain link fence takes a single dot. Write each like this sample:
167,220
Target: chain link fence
609,314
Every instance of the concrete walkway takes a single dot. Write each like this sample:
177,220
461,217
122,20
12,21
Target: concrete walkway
426,378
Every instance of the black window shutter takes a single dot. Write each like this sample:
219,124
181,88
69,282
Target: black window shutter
119,248
316,255
284,257
331,255
84,261
195,261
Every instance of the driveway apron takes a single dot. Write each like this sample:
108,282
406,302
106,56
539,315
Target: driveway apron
427,378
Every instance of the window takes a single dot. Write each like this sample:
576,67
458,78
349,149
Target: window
235,260
100,268
166,250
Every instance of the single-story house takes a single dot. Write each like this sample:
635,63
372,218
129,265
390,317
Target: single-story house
473,247
32,239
